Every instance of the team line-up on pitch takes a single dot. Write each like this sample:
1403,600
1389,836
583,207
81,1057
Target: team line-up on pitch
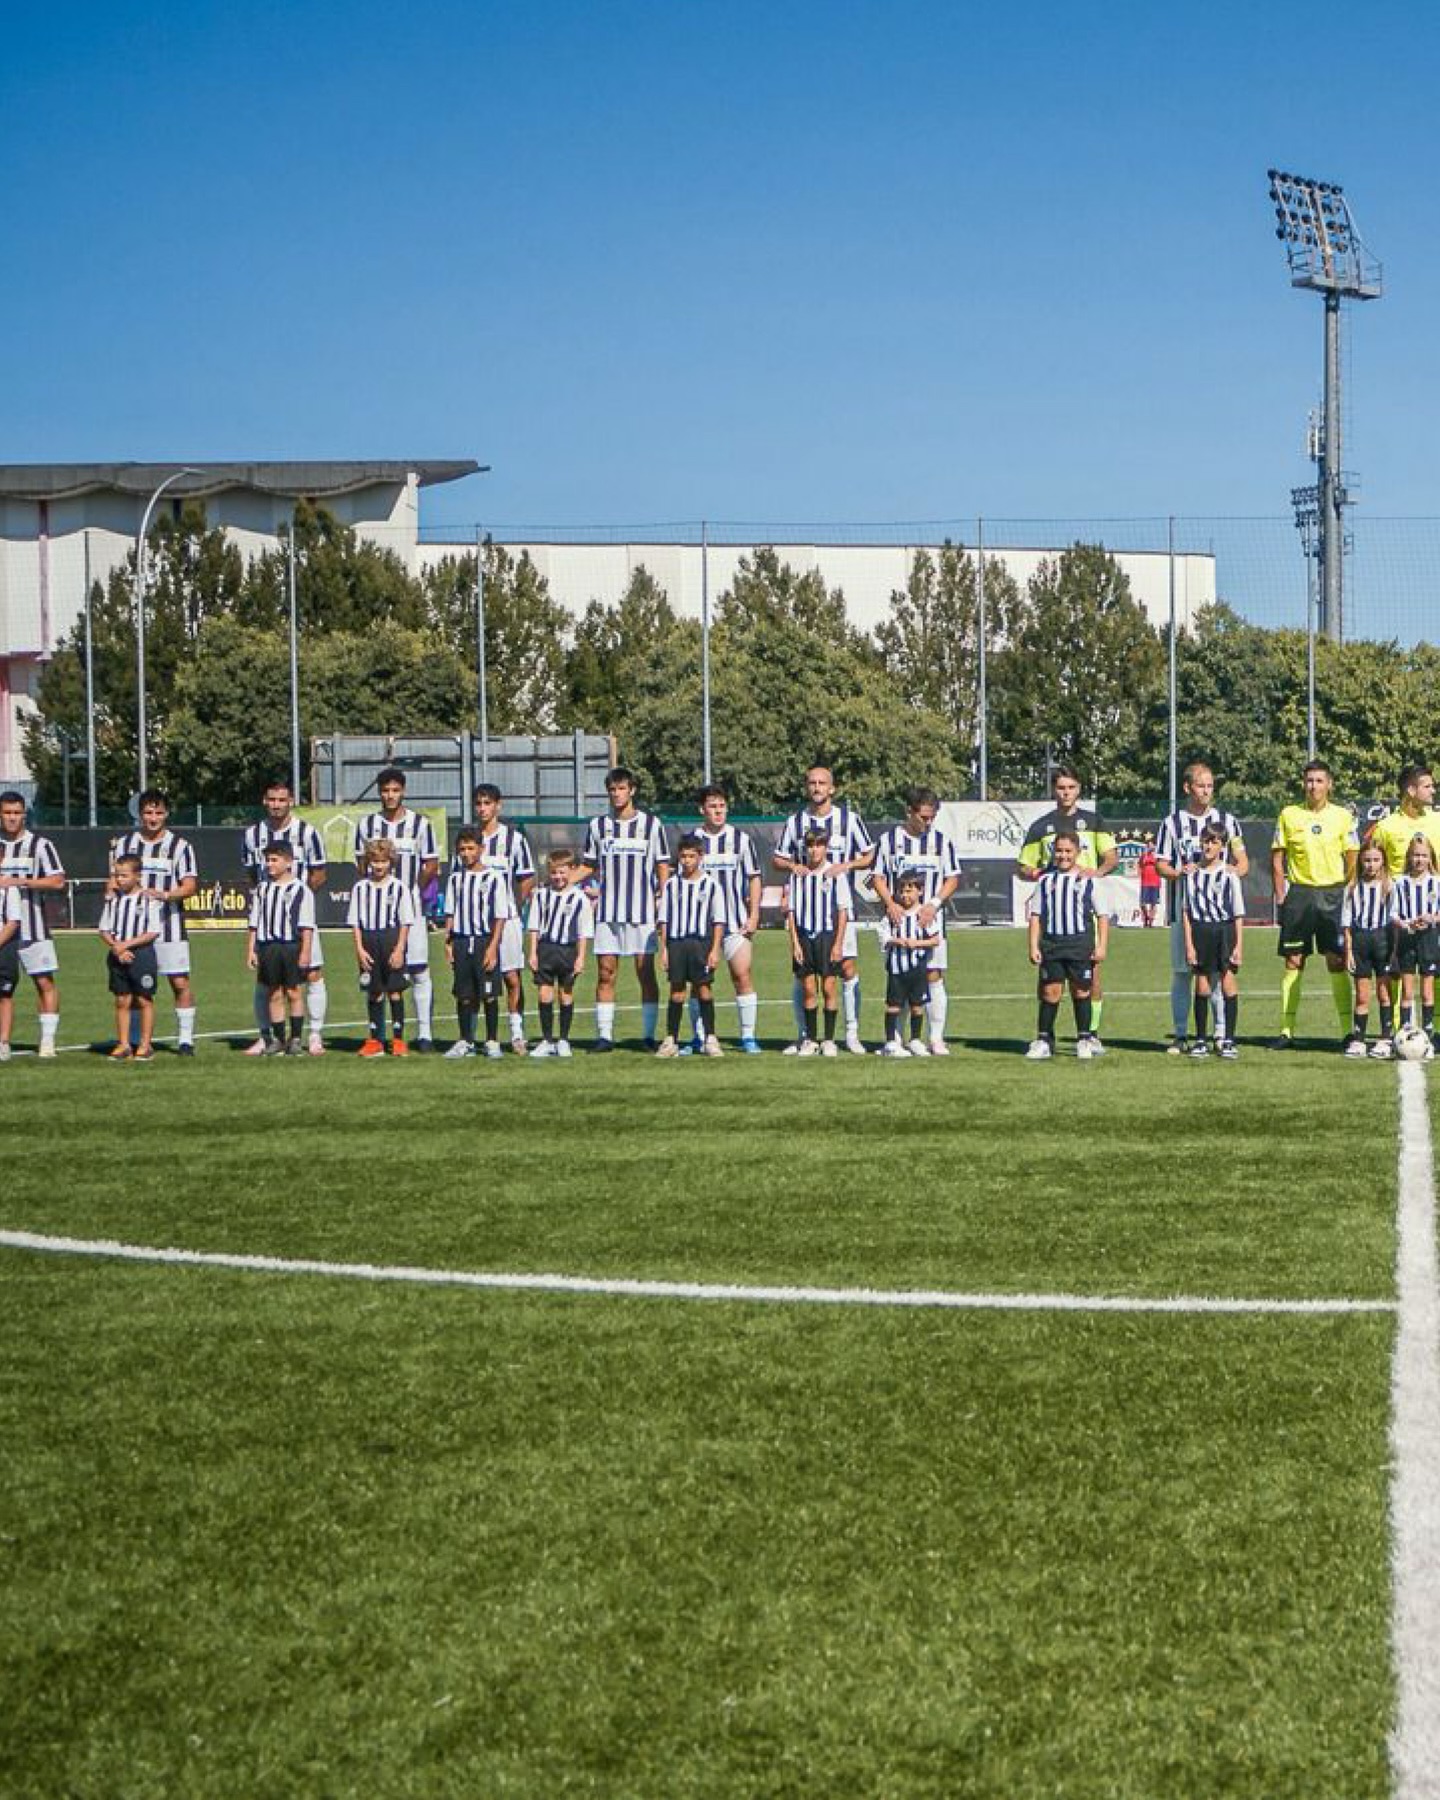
1372,912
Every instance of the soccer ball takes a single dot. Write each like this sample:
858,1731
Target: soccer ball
1413,1045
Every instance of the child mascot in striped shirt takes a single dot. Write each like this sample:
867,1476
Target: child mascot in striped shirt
1068,938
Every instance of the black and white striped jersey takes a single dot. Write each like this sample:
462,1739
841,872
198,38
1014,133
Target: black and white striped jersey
817,899
413,838
1064,900
1178,840
165,862
626,855
1367,907
11,910
730,859
848,837
1213,896
307,849
475,899
691,907
1415,897
561,915
281,910
930,854
133,915
506,852
900,958
30,857
381,905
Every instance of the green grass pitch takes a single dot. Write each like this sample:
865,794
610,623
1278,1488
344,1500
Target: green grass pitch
280,1534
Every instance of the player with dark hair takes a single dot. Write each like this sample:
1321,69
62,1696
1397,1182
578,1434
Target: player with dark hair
1177,848
627,849
282,825
506,852
1212,911
1414,813
731,862
417,861
1068,937
1096,855
167,870
1312,856
690,927
850,849
919,847
30,867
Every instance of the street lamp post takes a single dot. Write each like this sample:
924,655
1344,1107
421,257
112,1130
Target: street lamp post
144,757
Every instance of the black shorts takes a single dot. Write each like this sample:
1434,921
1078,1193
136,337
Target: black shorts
139,977
686,963
474,983
1310,921
1214,945
1373,951
1417,952
555,965
9,966
1069,959
815,956
380,977
278,965
907,987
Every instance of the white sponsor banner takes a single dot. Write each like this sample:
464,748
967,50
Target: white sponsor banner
994,831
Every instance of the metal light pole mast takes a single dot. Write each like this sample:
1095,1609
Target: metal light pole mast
1326,255
143,759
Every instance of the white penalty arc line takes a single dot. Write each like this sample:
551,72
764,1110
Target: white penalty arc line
1415,1455
634,1289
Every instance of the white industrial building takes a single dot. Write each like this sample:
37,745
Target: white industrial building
65,525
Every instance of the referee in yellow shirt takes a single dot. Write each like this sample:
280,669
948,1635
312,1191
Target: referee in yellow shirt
1414,817
1312,856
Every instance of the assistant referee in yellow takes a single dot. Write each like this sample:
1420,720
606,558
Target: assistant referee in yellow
1312,856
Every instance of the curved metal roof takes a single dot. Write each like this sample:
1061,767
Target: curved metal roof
312,480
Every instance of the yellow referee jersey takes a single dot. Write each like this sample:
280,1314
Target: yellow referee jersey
1394,832
1315,844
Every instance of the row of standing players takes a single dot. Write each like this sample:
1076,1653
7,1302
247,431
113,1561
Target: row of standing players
714,910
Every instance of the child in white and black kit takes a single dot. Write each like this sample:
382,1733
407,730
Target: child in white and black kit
908,947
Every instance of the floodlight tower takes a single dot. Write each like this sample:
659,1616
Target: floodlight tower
1326,255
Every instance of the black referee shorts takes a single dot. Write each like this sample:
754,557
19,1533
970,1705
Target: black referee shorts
9,966
555,965
1374,951
685,963
474,983
1068,959
278,965
1417,952
1310,921
1214,942
138,977
380,977
815,955
907,987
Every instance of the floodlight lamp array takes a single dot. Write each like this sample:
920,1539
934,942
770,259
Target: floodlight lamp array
1315,224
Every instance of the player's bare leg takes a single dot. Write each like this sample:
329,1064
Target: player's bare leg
605,970
747,1001
515,1009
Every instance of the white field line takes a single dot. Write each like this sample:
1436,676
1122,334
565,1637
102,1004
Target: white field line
1415,1452
682,1290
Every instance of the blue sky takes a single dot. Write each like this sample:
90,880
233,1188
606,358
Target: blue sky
657,262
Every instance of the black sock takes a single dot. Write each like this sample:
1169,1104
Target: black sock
811,1015
917,1026
567,1013
1360,1024
492,1019
1427,1017
1232,1018
830,1015
1387,1019
376,1010
267,1031
674,1011
547,1019
892,1026
466,1020
1084,1011
397,1015
297,1020
1049,1009
707,1016
1202,1014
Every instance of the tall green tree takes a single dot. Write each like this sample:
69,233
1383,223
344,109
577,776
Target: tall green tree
526,633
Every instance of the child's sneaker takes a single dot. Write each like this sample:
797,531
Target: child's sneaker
5,1053
398,1047
519,1047
668,1048
807,1047
143,1056
456,1051
371,1047
1355,1045
1229,1051
892,1047
938,1047
918,1047
294,1048
1382,1049
543,1048
256,1049
713,1047
831,1048
751,1046
1199,1049
123,1053
1178,1046
562,1049
853,1044
1096,1047
1084,1048
1041,1050
493,1050
316,1046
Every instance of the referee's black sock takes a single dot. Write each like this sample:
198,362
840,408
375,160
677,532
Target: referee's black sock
1049,1011
547,1019
707,1016
674,1012
567,1013
1084,1012
1202,1015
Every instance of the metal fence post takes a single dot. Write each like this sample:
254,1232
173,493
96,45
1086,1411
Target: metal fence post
982,631
705,646
1174,770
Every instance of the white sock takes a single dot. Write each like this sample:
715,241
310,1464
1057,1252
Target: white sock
1217,1013
517,1025
262,1010
850,998
797,1006
694,1017
748,1008
317,999
49,1027
424,989
938,1004
1180,1004
185,1023
605,1019
649,1017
